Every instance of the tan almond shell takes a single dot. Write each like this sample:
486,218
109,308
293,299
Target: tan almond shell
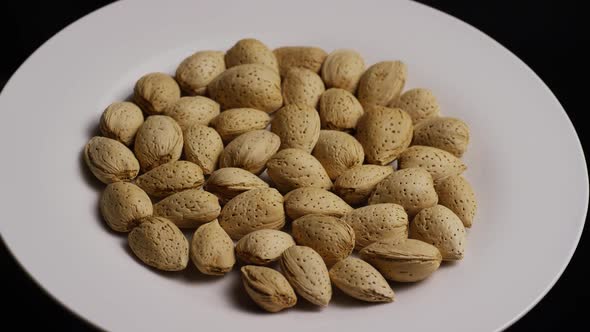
382,83
188,111
290,169
384,133
339,110
356,184
189,208
420,104
298,127
307,273
343,69
203,146
123,204
227,183
456,193
338,152
376,222
411,188
263,246
251,211
158,141
449,134
212,250
248,51
331,237
253,85
310,200
302,86
250,151
268,288
439,163
236,121
155,92
171,178
307,57
403,261
157,242
198,70
120,121
442,228
110,160
361,281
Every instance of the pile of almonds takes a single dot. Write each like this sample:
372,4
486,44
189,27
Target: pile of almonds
196,162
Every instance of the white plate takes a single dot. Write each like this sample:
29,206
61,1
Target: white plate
525,162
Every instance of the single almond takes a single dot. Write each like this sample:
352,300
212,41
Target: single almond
120,121
307,273
188,111
338,152
155,92
268,288
420,104
356,184
250,151
308,200
382,83
203,146
442,228
302,86
339,110
189,208
171,178
123,204
439,163
449,134
110,160
263,246
360,280
250,50
343,69
212,250
376,222
456,193
158,141
411,188
234,122
227,183
159,243
307,57
198,70
298,127
293,168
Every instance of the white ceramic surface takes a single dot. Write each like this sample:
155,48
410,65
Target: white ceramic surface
525,162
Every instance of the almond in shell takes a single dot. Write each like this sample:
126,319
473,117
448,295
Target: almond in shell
376,222
439,163
212,250
343,69
302,86
339,110
155,92
290,169
227,183
360,280
449,134
356,184
203,146
120,121
196,71
250,50
110,160
442,228
189,208
263,246
158,141
456,193
171,178
234,122
250,151
307,57
382,83
298,127
420,104
338,151
268,288
310,200
188,111
123,205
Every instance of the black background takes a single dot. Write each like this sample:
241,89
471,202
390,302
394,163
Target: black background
547,35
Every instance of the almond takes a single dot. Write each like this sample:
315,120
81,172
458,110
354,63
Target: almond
158,141
159,243
227,183
251,211
382,83
456,193
120,121
203,146
403,261
356,184
234,122
310,58
123,204
155,92
188,111
212,250
439,163
268,288
420,104
302,86
306,272
376,222
448,134
308,200
331,237
360,280
339,110
253,85
384,133
411,188
250,151
343,69
198,70
171,178
189,208
293,168
338,152
263,246
249,50
298,127
109,160
442,228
